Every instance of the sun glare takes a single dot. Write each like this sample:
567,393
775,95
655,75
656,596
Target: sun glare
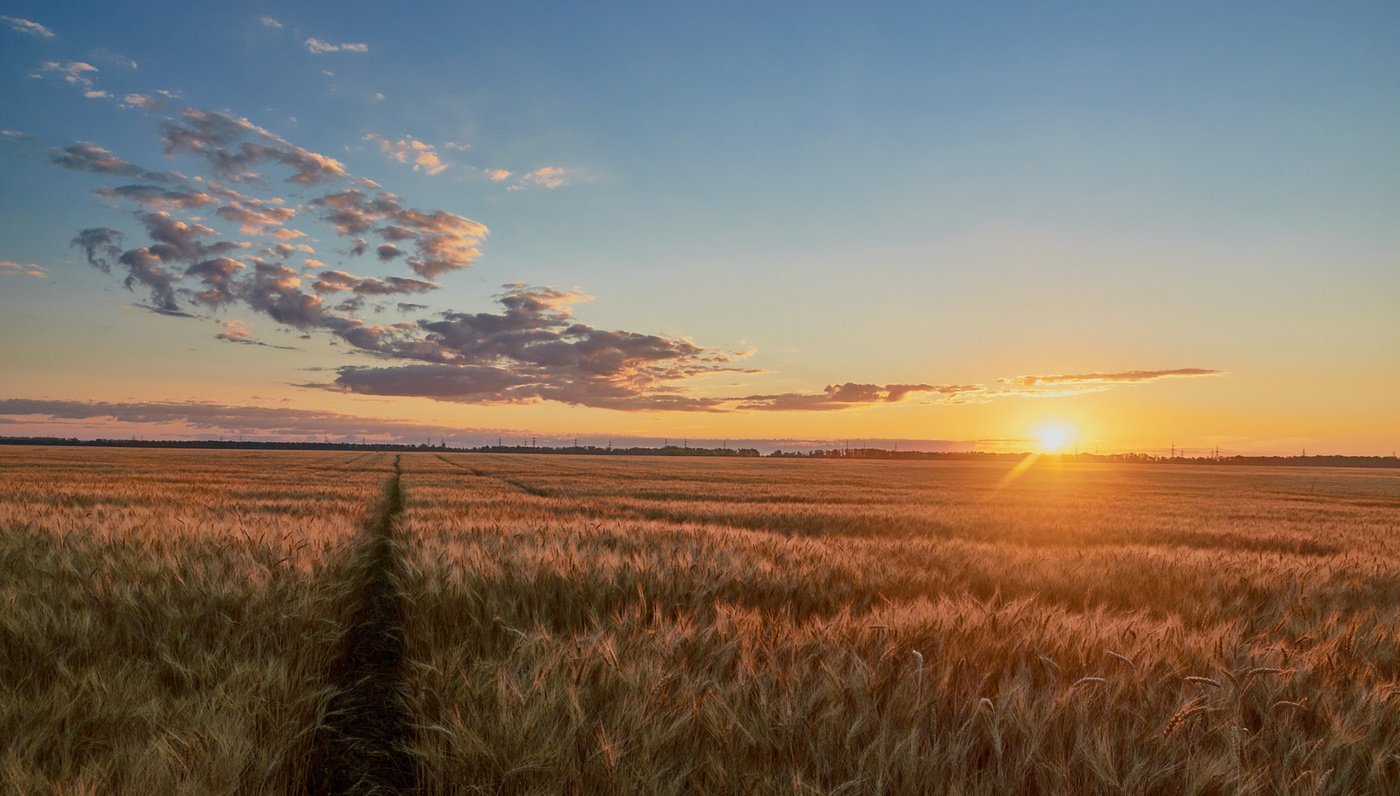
1052,439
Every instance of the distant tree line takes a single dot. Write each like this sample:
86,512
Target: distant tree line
676,450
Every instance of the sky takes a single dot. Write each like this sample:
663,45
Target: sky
955,225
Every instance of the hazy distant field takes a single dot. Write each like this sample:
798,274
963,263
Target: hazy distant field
178,621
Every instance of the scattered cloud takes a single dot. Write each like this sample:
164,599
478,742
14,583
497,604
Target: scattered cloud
316,47
204,419
143,101
12,268
530,348
1110,378
269,22
340,281
156,196
28,27
74,73
112,58
422,157
443,241
233,146
236,331
550,177
843,396
89,157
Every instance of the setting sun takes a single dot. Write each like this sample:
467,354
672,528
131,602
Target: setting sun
1053,438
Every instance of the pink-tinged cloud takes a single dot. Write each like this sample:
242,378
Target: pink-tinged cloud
234,146
442,241
550,177
1110,378
27,27
845,396
205,419
12,268
422,157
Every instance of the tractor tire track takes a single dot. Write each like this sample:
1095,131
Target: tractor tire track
362,743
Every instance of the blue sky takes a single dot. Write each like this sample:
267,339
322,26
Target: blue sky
872,194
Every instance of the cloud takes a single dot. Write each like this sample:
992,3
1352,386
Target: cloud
550,177
317,47
387,252
498,175
1110,378
146,268
218,275
423,157
113,58
204,419
269,22
443,241
233,146
340,281
28,27
12,268
236,331
254,215
89,157
143,101
100,244
531,351
843,396
155,196
74,73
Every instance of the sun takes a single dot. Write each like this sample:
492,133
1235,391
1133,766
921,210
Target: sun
1053,438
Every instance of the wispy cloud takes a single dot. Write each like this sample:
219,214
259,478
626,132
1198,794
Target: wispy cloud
1126,376
317,47
74,73
112,58
846,396
236,331
28,27
269,22
12,268
206,419
550,177
89,157
422,157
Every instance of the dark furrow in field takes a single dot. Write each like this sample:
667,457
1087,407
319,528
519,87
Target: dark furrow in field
362,744
521,485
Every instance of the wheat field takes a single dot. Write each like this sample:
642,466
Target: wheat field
280,622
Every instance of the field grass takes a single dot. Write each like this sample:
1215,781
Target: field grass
650,625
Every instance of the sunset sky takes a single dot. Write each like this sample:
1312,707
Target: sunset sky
1149,224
